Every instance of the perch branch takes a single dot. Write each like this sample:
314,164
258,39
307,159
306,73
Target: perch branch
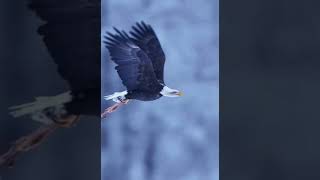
33,140
113,108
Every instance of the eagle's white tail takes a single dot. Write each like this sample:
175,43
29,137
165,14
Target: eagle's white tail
116,96
35,109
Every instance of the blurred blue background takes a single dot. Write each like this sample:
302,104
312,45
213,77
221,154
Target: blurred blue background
170,138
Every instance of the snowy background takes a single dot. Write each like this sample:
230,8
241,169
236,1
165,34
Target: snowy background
170,138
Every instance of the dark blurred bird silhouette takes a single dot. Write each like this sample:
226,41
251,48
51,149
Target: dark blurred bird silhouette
71,32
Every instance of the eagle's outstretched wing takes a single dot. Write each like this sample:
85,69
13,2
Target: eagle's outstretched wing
145,37
71,32
134,66
71,35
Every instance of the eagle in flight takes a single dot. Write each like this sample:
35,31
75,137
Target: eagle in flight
140,63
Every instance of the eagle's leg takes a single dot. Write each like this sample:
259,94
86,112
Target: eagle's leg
122,99
60,117
66,121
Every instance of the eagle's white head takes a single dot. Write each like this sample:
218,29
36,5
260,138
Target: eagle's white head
168,92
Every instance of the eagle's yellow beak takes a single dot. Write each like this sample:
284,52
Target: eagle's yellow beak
180,93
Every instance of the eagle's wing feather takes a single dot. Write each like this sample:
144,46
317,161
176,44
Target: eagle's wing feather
145,37
133,65
71,35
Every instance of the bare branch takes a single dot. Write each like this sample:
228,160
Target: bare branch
31,141
113,108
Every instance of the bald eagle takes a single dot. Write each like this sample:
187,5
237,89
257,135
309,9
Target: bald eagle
140,63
